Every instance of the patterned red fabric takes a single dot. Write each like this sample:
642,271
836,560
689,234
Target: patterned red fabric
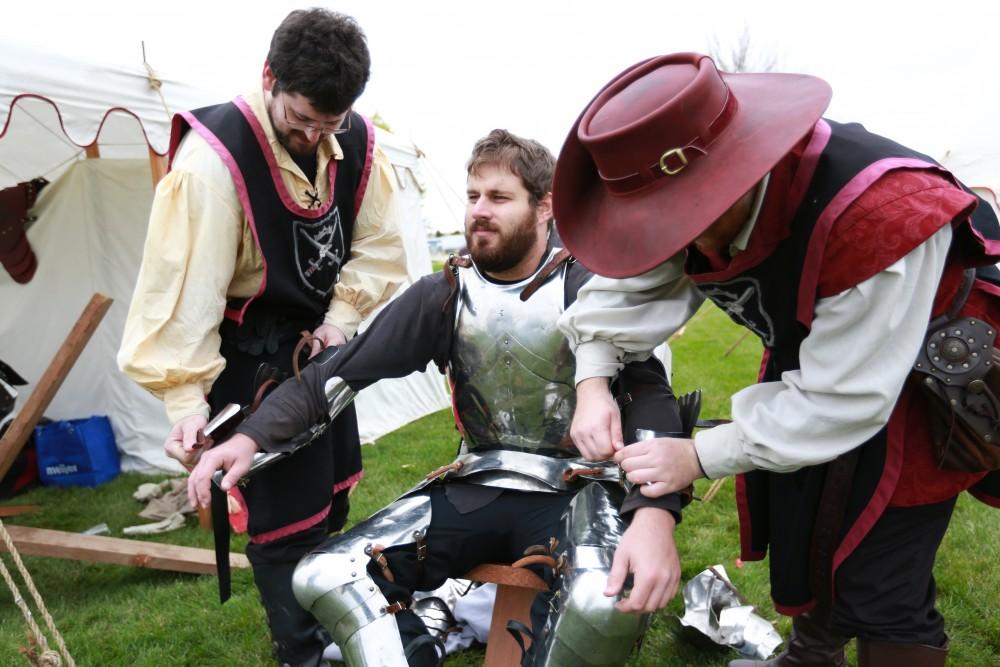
897,213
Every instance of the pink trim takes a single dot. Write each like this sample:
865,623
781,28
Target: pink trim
291,528
241,191
62,125
817,241
366,172
807,164
883,490
743,509
988,287
992,501
793,611
272,164
348,483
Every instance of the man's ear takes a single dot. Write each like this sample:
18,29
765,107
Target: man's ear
544,209
268,78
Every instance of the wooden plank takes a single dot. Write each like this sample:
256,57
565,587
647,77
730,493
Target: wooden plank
516,590
157,165
99,549
14,510
512,602
20,429
506,575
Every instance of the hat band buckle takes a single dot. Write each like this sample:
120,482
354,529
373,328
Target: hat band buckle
673,171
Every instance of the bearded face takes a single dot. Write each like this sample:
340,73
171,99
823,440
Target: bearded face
502,227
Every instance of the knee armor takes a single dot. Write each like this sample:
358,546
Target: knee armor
333,583
583,626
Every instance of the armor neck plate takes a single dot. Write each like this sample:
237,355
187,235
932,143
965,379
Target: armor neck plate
512,368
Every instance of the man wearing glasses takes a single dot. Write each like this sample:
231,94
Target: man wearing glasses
277,217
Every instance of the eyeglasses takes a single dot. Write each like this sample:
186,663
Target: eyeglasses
324,128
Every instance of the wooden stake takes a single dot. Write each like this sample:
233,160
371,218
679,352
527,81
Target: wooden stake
60,366
14,510
157,165
97,549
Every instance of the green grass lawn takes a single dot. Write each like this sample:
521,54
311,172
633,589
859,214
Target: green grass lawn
116,615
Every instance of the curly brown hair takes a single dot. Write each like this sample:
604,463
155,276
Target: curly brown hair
526,158
322,55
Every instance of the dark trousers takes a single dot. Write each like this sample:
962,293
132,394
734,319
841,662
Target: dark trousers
497,532
885,590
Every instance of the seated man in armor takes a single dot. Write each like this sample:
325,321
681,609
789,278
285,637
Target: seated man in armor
519,485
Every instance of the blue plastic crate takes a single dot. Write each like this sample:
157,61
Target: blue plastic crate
77,452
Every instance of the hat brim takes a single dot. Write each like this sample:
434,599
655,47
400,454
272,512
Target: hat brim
621,235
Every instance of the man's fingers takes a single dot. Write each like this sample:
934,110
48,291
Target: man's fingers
655,489
317,347
619,570
233,475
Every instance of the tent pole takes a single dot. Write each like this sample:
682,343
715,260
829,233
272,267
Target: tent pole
157,165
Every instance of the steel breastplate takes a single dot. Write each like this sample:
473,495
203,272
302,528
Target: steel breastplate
512,368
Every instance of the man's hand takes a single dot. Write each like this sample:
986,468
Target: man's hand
597,423
181,440
660,465
234,456
648,551
326,335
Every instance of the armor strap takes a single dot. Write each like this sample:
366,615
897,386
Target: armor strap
557,260
375,552
450,270
306,339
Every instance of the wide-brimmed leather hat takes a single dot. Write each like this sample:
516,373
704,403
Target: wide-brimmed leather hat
665,149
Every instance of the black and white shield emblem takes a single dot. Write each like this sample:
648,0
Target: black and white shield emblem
741,300
319,251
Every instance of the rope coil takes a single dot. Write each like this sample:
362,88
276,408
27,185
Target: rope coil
47,657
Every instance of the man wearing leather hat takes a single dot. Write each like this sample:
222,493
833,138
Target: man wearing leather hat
841,250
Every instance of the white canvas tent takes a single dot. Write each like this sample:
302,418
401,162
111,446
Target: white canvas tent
99,133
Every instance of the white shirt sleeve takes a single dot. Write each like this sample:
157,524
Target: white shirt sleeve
854,361
614,321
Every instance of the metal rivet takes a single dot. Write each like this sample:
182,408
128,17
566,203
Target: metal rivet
975,354
354,574
949,367
965,365
947,379
953,402
987,437
958,332
933,346
972,340
919,365
937,358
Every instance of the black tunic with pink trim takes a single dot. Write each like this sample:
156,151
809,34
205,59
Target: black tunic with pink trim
303,250
772,291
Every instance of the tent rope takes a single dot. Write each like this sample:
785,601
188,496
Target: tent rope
48,657
155,83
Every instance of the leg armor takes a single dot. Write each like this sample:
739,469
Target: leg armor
583,627
333,583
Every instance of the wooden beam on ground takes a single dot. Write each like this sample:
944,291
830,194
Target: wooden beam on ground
20,429
14,510
157,165
98,549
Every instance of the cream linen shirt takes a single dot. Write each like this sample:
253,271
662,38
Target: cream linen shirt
200,252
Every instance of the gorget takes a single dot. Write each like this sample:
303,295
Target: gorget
512,368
